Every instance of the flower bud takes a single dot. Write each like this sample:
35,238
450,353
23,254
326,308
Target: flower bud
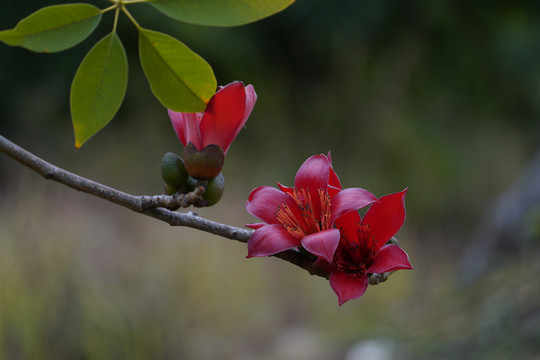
214,190
189,185
173,170
169,190
205,164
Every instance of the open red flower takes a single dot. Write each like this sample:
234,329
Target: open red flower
304,215
211,132
362,248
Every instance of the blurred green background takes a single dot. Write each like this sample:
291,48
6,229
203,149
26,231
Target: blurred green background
442,97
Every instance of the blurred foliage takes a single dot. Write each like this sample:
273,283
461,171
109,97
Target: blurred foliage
441,97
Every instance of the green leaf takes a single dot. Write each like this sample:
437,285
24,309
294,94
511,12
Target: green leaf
220,12
98,88
180,79
54,28
11,37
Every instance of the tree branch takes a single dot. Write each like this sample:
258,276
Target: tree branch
141,204
155,206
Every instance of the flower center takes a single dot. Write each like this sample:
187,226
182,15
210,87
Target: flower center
307,217
356,250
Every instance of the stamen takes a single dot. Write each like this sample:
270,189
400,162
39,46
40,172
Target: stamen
312,223
368,242
346,258
309,222
326,214
287,219
357,249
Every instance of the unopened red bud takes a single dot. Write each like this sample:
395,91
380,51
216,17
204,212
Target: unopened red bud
205,164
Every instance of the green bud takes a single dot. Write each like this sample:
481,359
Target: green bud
214,190
173,170
189,185
205,164
169,190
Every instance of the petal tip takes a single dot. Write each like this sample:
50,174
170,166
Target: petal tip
322,244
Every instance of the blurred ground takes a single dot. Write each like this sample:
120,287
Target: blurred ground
441,98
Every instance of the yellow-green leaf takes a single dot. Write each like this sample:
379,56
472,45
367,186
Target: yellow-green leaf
98,88
54,28
11,37
179,78
220,12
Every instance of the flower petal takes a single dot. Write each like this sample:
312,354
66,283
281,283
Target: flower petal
333,179
251,98
186,126
322,243
350,199
390,258
348,287
264,201
324,265
313,174
346,224
386,217
255,226
332,190
348,220
285,189
269,240
224,116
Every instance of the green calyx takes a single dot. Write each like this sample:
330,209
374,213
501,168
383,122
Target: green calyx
178,181
214,190
173,171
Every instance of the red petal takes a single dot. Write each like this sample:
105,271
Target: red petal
186,126
347,225
251,98
386,217
348,220
285,189
332,190
324,265
348,287
255,226
313,174
270,240
390,258
323,243
350,199
333,179
224,116
264,201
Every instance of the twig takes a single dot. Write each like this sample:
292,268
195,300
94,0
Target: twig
155,206
140,204
173,202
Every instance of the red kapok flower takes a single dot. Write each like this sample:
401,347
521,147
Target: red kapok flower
304,215
362,248
207,135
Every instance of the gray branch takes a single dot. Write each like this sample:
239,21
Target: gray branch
148,205
156,206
